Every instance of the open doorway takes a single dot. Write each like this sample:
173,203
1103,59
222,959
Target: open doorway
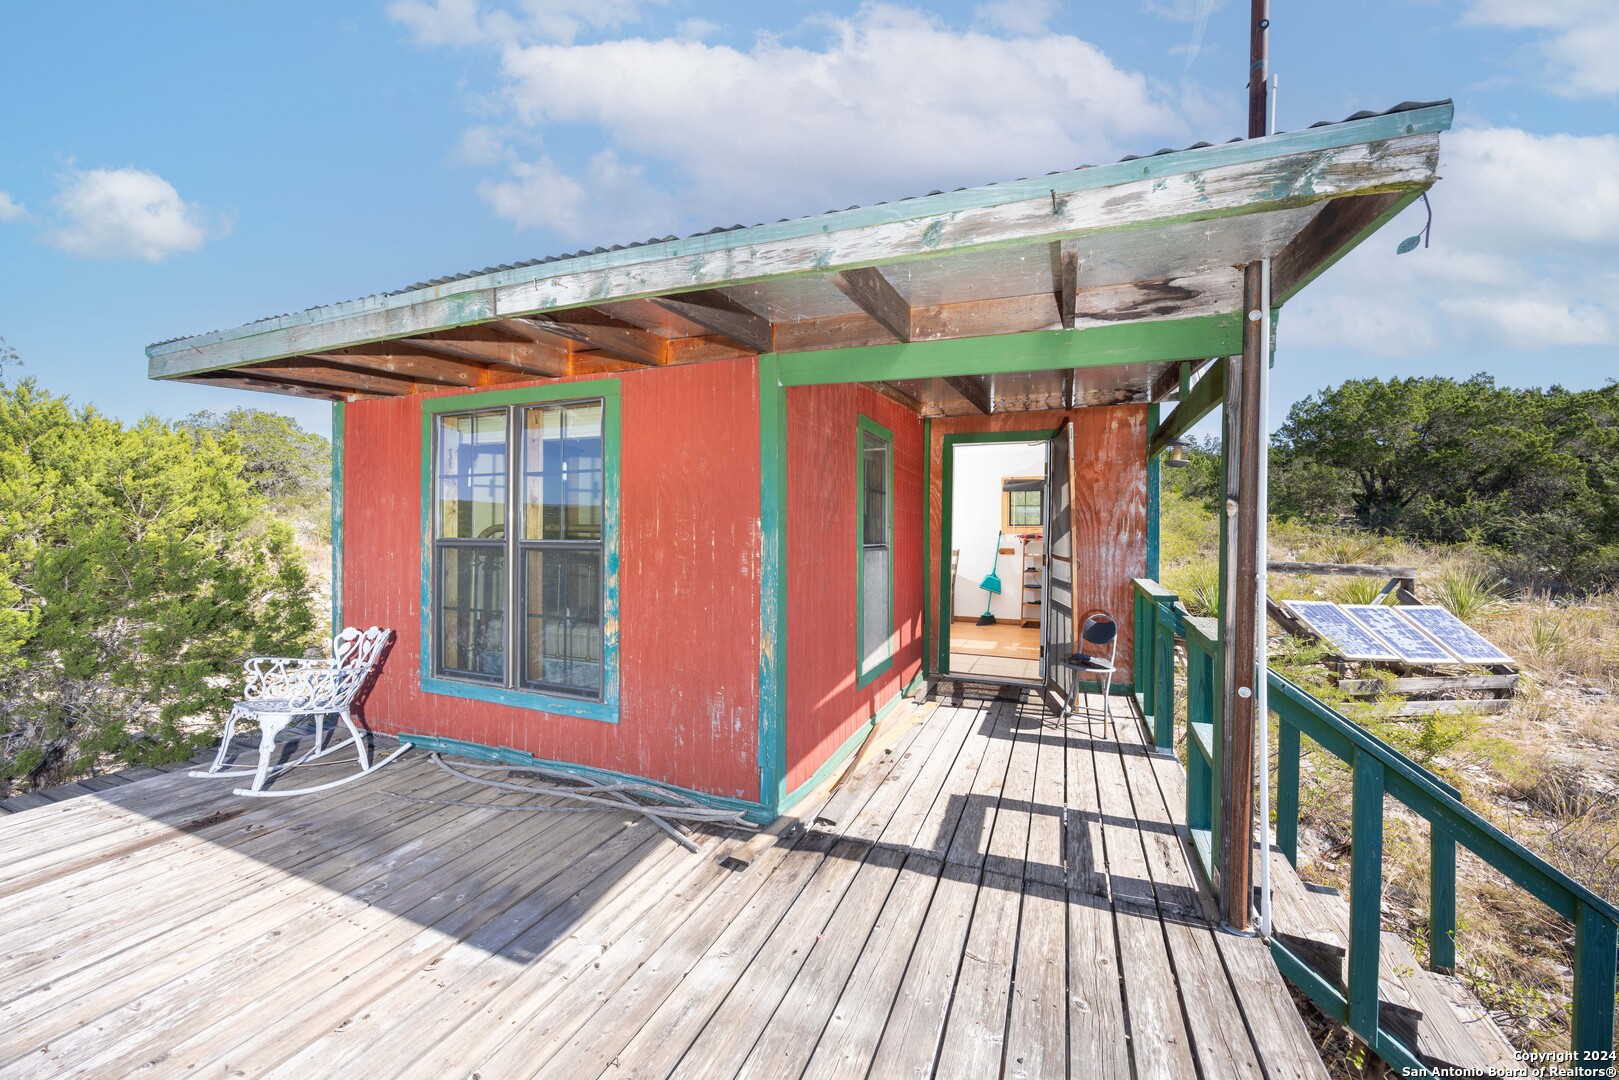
996,521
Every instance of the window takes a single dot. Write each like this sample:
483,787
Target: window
519,598
1023,503
875,583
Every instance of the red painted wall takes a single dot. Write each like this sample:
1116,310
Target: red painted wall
825,706
1110,507
688,594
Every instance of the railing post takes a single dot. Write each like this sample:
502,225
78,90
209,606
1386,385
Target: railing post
1441,899
1287,790
1163,671
1596,940
1146,632
1366,896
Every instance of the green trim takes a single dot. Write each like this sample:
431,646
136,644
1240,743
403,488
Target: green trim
506,755
865,425
772,584
339,420
1344,249
1154,506
946,506
476,298
927,529
607,388
851,744
1196,338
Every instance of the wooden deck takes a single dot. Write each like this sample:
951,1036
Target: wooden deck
996,895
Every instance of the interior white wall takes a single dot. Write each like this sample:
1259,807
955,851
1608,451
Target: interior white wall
976,514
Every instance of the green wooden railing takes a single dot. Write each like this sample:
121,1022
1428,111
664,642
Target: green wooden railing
1378,770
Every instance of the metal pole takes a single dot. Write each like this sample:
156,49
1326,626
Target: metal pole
1262,586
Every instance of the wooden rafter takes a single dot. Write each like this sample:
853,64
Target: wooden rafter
1065,254
1164,383
871,292
1205,394
1334,230
972,391
239,380
596,330
896,395
437,370
715,311
337,376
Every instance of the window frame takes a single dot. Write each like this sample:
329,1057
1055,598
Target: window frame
512,689
864,426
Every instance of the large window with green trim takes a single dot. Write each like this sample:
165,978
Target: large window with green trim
874,619
518,584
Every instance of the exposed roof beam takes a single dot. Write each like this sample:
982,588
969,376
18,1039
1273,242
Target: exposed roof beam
871,292
1204,397
338,377
438,370
896,395
717,312
598,331
234,381
1339,226
1164,383
972,391
1066,273
1393,152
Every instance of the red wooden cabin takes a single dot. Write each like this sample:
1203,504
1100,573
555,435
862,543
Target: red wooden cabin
676,510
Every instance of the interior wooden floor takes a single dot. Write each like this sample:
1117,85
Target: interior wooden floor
1003,650
1000,894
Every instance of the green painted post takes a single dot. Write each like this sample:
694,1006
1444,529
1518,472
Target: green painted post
1441,899
1163,668
1365,895
1287,791
1596,939
1146,630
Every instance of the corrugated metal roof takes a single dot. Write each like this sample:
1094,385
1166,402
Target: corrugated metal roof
1404,106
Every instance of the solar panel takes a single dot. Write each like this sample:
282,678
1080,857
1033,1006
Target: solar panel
1351,640
1389,624
1462,640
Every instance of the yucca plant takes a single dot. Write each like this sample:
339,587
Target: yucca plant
1197,584
1467,593
1357,590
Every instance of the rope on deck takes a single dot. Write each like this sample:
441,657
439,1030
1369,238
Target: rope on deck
666,809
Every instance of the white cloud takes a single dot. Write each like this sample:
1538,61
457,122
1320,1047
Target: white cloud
1026,17
126,214
610,200
1579,40
1524,230
883,107
10,209
467,22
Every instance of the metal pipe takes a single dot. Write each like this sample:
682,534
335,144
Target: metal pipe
1262,588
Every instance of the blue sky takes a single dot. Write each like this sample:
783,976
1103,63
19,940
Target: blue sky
172,168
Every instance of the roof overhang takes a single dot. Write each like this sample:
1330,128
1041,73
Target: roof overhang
1071,259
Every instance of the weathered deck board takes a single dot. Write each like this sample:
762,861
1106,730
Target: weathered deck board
999,893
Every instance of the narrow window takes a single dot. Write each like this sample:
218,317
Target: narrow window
520,513
875,618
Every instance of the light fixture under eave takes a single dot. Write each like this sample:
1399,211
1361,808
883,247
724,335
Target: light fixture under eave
1176,458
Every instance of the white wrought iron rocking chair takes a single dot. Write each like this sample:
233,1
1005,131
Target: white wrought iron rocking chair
278,690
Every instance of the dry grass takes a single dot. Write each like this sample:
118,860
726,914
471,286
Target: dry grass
1546,771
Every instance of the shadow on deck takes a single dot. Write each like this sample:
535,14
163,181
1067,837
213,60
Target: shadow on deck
995,895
